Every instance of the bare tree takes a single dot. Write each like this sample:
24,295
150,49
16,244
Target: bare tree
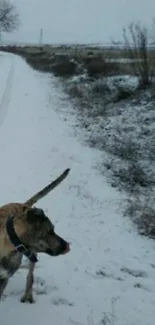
9,18
136,40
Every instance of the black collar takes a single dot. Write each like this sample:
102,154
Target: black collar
14,239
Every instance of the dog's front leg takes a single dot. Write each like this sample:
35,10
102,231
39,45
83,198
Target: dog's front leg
3,283
28,294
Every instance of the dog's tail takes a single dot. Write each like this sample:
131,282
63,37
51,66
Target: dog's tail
47,189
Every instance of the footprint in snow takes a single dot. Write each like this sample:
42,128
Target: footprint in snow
142,286
41,287
101,274
61,301
134,273
12,293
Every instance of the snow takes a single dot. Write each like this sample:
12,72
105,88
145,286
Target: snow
109,274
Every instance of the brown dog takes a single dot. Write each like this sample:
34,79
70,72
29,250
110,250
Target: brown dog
27,231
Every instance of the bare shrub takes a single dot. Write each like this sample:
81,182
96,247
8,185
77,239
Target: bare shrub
99,67
100,87
126,149
9,18
131,176
64,69
76,92
122,147
134,175
142,212
122,94
42,63
136,42
113,89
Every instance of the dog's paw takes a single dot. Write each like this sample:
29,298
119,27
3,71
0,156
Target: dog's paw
28,298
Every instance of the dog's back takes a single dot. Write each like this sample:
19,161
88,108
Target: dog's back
10,209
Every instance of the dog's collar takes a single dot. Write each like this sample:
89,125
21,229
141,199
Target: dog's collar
20,247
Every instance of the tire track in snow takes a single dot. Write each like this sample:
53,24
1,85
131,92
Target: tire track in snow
4,103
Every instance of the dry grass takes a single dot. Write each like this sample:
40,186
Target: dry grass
91,59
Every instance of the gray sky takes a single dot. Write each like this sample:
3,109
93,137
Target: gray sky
81,21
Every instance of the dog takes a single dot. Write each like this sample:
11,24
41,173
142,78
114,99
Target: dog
26,231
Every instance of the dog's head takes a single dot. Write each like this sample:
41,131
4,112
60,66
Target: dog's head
40,235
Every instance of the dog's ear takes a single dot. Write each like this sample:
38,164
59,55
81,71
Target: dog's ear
35,215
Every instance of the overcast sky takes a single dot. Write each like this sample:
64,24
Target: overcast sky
78,21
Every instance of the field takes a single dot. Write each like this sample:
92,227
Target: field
83,108
113,113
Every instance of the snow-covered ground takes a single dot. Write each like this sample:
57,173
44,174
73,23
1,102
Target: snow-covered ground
109,275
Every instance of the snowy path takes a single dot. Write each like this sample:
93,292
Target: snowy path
110,270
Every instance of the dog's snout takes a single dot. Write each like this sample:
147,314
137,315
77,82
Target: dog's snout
67,249
57,246
65,246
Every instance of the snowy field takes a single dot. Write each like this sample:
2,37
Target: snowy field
109,275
